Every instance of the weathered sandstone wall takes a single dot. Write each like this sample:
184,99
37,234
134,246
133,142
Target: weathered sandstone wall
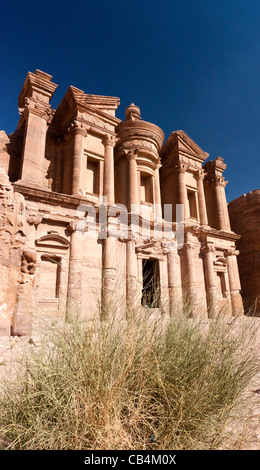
245,220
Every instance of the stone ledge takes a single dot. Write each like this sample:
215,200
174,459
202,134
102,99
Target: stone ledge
50,196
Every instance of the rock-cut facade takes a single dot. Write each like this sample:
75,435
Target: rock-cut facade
97,208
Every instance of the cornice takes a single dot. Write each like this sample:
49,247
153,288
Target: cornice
51,197
37,83
140,130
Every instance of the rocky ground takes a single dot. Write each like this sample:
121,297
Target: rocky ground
242,431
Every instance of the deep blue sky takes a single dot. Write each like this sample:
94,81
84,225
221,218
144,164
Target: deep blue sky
188,64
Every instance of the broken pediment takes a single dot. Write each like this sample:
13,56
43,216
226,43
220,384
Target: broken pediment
179,144
75,102
107,104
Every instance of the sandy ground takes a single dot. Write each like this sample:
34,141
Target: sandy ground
242,431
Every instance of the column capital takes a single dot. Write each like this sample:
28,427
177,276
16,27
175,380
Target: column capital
231,252
170,247
208,248
79,226
189,245
199,175
38,108
132,154
77,128
181,167
220,181
72,226
109,139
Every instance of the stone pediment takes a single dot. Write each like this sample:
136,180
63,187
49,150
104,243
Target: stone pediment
179,144
76,103
107,104
150,249
53,240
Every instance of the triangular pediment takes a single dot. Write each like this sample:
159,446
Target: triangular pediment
180,144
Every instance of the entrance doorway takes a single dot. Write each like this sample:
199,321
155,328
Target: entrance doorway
151,284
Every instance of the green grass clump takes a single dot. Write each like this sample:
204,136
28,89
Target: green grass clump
112,384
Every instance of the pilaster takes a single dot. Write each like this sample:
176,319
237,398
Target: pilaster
36,114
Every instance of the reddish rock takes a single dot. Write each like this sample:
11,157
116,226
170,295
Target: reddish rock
245,219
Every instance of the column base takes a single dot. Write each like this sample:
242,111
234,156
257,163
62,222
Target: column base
237,304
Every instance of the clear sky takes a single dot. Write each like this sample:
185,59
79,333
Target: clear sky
188,64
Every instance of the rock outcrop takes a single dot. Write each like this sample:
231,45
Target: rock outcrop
245,219
12,245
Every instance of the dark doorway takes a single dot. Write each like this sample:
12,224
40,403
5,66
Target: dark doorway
151,284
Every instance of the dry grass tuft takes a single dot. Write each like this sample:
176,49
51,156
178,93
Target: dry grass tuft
113,384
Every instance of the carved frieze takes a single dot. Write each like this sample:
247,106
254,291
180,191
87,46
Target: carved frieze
151,248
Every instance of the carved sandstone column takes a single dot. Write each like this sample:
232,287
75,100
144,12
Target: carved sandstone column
192,294
225,206
210,277
174,281
74,278
131,275
182,192
157,191
109,300
214,175
101,177
201,198
78,154
134,196
109,183
235,297
222,209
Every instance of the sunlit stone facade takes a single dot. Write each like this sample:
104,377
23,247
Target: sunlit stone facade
72,168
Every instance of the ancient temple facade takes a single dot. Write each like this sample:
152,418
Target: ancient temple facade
93,208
